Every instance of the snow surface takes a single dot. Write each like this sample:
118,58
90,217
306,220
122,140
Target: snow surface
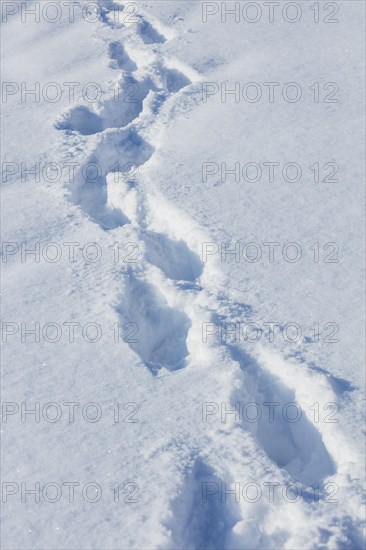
163,360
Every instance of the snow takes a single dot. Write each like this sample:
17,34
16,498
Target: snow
177,405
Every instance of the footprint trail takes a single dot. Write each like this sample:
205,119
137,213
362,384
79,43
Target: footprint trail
171,291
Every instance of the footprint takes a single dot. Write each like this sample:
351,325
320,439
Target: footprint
115,153
297,446
162,330
80,119
174,80
127,103
111,13
119,58
200,518
174,258
117,112
125,106
148,34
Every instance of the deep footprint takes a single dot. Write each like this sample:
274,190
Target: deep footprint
124,107
148,34
119,58
295,446
174,258
162,330
174,80
80,119
115,152
201,520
